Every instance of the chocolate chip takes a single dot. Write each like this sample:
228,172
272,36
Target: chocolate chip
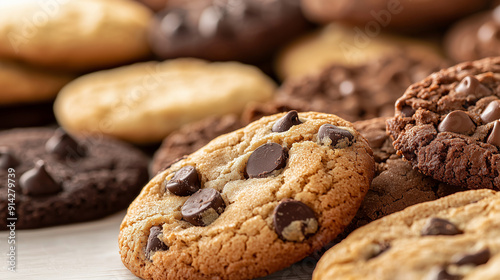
185,181
241,9
7,159
494,137
340,138
286,122
438,226
174,22
478,258
488,32
154,243
294,220
214,22
203,207
458,122
266,159
440,273
63,145
471,85
491,112
407,111
38,181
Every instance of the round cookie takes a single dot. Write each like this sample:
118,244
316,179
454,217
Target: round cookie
241,30
191,137
447,125
403,15
22,83
474,37
351,92
144,102
345,45
53,178
268,199
455,237
74,35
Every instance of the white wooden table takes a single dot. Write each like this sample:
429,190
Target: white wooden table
87,251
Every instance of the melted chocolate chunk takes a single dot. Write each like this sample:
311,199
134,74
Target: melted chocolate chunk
214,21
407,111
63,145
294,220
494,137
458,122
471,86
379,250
38,181
478,258
438,226
442,274
154,243
185,182
340,138
491,112
286,122
174,23
7,159
266,159
203,207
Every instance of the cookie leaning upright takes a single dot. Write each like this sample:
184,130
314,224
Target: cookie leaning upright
74,35
269,194
448,125
144,102
455,237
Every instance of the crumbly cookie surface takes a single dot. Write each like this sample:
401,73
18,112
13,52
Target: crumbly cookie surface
447,125
455,237
243,241
144,102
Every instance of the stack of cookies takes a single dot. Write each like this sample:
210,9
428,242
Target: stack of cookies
289,139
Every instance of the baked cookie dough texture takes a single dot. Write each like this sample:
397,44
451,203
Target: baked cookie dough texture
144,102
265,196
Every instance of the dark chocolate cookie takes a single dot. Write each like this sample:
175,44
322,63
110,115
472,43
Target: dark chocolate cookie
243,30
50,178
192,137
447,125
353,93
475,37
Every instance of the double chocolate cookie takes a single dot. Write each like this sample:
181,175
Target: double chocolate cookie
351,92
51,178
250,202
455,237
448,125
242,30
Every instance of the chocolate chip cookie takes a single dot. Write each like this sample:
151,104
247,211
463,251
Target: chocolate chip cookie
351,92
250,202
455,237
242,30
475,37
448,125
49,177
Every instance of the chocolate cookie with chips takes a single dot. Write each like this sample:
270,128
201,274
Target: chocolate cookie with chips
242,30
455,237
49,177
448,125
250,202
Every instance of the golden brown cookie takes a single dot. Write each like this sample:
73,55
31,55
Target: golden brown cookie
144,102
75,35
250,202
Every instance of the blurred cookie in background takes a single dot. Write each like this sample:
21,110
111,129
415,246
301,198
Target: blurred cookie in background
403,15
142,103
74,35
242,30
346,45
27,92
475,37
354,93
